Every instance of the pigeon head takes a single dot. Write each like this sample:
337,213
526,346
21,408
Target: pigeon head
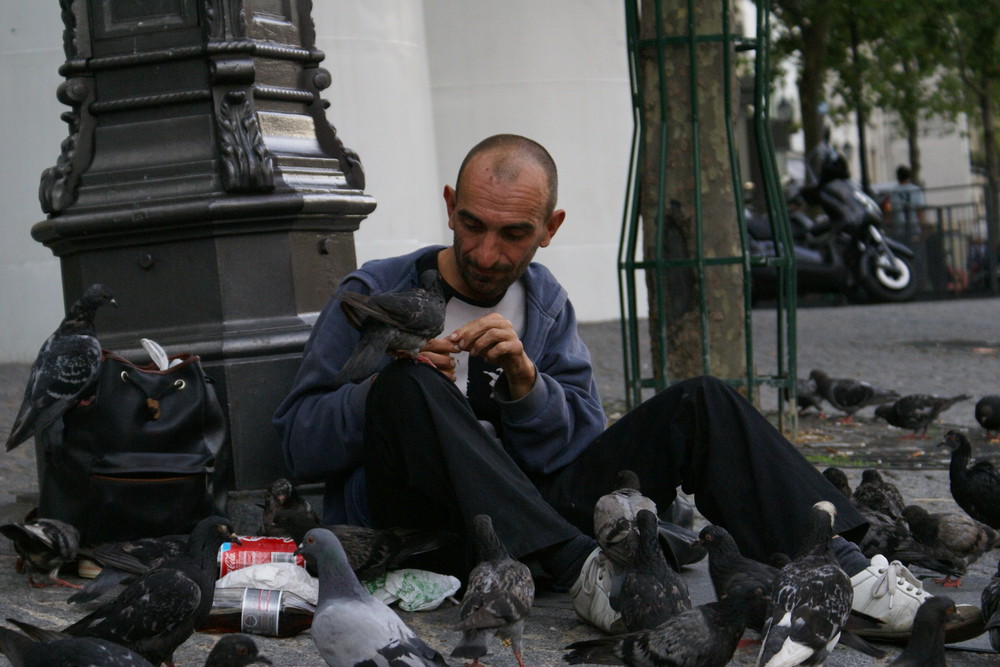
235,650
885,411
744,587
872,476
430,280
957,442
713,536
838,478
336,578
80,317
488,544
627,479
280,489
211,533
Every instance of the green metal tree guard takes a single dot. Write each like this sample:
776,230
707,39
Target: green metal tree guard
783,375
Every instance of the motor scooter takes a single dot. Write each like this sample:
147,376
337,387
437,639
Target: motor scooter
842,250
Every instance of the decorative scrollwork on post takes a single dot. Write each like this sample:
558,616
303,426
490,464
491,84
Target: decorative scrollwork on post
247,165
58,187
225,19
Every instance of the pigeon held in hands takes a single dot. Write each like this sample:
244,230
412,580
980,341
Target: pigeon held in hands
351,627
65,369
497,599
399,323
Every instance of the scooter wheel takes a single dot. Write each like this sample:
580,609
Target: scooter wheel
889,279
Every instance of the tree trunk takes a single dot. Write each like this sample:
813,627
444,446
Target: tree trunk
812,76
990,149
670,165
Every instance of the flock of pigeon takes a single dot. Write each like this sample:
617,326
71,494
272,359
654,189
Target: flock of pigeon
801,606
913,412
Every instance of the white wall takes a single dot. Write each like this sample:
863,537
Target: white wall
557,72
30,133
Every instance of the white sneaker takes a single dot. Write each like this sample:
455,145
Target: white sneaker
592,593
889,592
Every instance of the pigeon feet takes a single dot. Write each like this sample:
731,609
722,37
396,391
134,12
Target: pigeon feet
52,580
949,582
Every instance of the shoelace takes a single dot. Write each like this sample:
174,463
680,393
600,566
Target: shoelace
896,576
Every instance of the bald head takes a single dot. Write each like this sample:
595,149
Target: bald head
507,155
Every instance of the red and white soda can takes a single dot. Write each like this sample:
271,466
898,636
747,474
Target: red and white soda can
256,550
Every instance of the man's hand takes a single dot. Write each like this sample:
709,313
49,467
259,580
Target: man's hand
438,351
493,338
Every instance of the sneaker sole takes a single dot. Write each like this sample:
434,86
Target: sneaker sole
970,627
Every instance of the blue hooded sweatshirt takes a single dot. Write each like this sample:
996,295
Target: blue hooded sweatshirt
321,422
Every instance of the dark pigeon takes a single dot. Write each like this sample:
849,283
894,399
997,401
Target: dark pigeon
725,562
875,492
65,369
121,562
158,611
650,591
811,599
990,606
43,546
705,636
848,395
371,551
235,650
399,323
953,537
498,597
23,651
350,627
807,395
281,495
926,645
916,412
988,415
975,489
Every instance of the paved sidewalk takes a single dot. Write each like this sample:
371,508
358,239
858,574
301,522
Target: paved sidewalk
932,347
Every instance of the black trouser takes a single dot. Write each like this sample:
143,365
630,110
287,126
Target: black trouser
429,463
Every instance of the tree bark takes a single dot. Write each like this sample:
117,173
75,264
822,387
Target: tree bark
668,194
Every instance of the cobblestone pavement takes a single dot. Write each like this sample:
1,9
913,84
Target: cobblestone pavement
933,347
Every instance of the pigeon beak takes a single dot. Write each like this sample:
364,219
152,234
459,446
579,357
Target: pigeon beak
261,660
113,302
234,539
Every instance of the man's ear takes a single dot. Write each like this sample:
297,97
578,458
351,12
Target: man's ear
552,226
450,201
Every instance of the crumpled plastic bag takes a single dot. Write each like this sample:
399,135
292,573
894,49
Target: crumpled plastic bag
416,590
276,577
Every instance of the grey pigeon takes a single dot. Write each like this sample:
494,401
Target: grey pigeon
849,395
916,411
65,369
990,606
158,611
615,513
498,597
705,636
877,493
23,651
281,495
987,413
885,535
725,562
235,650
43,546
926,645
121,562
650,591
976,489
952,536
371,551
399,323
811,599
351,628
